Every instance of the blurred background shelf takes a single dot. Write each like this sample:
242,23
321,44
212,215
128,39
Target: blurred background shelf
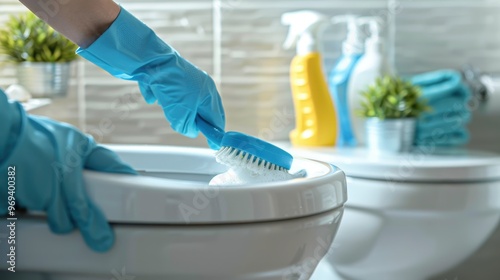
36,103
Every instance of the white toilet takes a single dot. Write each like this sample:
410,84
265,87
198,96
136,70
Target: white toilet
170,224
410,216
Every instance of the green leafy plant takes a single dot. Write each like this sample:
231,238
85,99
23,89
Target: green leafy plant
392,97
28,38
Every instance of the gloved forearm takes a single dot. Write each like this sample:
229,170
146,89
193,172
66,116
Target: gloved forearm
81,21
130,50
112,38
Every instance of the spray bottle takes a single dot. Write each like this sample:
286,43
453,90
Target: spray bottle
314,109
372,65
352,50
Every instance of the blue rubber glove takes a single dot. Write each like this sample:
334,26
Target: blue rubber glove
130,50
49,157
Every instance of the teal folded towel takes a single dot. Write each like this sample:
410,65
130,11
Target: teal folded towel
440,84
441,137
456,101
451,118
443,129
447,96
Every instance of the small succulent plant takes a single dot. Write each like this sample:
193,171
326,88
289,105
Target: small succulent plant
28,38
392,97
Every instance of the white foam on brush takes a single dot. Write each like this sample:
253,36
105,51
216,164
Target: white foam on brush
247,169
242,176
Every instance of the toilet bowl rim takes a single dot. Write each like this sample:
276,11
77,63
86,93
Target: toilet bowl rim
133,199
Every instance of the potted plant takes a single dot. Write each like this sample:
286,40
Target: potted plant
391,107
41,54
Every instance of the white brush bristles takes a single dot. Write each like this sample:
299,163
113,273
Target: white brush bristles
245,168
236,158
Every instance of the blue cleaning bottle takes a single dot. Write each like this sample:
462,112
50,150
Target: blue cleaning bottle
338,80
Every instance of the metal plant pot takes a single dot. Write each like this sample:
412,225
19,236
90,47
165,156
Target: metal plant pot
43,79
390,135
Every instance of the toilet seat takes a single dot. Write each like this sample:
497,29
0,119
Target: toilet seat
251,232
423,164
174,190
423,180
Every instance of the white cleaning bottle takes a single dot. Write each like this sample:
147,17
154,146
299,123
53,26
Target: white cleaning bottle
372,65
339,76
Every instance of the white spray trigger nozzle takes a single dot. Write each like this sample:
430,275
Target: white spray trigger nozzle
305,26
354,41
374,23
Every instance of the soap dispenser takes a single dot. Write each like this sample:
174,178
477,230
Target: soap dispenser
372,65
314,109
338,79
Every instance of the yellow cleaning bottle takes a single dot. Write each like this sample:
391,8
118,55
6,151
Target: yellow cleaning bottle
316,123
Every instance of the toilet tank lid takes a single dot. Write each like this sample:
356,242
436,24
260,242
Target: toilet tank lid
423,164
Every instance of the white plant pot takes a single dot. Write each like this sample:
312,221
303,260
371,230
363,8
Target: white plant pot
44,79
390,135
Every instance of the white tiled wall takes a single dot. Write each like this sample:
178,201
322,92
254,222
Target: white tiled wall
255,67
436,34
239,42
440,34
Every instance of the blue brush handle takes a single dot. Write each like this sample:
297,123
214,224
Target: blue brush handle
245,143
212,133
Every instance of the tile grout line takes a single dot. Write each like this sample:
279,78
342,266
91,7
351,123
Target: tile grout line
391,52
80,91
217,41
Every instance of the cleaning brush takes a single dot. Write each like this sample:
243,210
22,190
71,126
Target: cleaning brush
241,150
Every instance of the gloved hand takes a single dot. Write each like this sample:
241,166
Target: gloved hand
49,157
130,50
